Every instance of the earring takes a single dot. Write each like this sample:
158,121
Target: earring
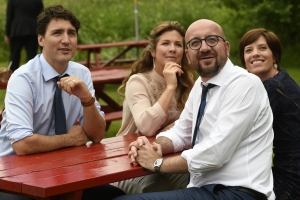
153,64
275,66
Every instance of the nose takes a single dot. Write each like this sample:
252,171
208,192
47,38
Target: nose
204,47
255,53
65,38
172,47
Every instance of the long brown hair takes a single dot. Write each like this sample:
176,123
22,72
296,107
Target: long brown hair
186,81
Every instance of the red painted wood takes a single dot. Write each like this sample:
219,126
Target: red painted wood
113,116
109,76
114,44
3,85
68,170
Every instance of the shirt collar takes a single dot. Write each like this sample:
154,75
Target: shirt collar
222,76
48,71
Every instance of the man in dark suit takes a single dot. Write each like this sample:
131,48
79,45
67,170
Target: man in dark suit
20,29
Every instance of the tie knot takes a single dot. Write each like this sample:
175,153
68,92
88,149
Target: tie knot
57,78
206,88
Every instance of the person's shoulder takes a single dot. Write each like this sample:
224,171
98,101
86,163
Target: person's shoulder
282,80
32,66
139,77
237,73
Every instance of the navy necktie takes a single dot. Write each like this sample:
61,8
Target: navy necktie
59,111
201,110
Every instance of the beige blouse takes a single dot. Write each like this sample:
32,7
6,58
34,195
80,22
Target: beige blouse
141,112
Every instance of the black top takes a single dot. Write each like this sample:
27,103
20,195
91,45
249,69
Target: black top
21,17
284,96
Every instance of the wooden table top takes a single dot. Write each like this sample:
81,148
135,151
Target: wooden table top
68,170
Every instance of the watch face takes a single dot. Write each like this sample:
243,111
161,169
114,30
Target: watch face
158,162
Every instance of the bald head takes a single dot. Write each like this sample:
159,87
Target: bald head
210,56
206,26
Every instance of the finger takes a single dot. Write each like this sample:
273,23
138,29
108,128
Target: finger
133,160
77,122
142,140
133,151
133,144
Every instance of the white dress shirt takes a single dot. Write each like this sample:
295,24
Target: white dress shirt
234,143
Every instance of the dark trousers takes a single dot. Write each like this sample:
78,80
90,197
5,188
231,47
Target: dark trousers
208,192
16,44
104,192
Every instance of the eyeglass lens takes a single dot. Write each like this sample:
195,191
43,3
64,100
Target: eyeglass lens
210,41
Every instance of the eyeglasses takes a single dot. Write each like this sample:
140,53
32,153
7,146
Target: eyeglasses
211,40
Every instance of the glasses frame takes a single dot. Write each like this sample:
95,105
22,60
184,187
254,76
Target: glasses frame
188,43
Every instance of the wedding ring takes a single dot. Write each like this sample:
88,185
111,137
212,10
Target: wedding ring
73,80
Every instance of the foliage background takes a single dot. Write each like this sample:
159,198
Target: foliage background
113,20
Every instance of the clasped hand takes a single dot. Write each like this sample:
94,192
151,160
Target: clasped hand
144,153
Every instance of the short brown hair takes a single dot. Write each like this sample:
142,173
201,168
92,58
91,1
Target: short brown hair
272,41
55,12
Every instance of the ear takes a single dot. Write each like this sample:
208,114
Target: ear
187,56
274,59
227,47
41,40
153,53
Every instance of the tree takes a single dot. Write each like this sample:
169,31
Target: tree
280,16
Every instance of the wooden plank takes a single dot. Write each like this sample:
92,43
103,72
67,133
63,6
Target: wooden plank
109,76
8,162
112,116
113,44
107,144
90,166
78,177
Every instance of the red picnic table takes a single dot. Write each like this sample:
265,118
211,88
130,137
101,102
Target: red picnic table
97,48
65,173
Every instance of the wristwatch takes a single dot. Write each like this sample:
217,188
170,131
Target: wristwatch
157,164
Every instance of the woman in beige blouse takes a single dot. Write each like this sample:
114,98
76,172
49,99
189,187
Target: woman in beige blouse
155,93
159,83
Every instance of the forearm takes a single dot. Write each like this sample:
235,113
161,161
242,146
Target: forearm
166,145
166,98
38,143
174,165
93,123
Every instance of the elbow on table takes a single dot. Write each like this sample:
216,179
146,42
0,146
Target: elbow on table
20,149
99,136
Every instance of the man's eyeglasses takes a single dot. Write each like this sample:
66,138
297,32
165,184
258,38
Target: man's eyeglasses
211,40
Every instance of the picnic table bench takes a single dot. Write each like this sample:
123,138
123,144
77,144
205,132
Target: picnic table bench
67,172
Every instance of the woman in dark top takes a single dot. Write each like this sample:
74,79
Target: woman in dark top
260,53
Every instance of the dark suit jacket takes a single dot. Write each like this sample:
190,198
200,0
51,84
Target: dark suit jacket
21,17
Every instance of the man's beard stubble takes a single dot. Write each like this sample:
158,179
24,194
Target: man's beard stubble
209,72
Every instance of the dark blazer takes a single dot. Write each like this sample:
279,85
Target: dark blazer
21,17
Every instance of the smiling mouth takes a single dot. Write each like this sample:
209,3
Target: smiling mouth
256,62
